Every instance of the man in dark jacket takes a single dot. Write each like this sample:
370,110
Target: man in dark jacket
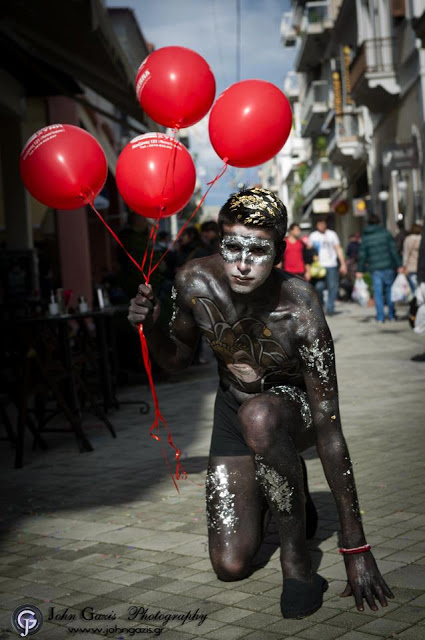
378,254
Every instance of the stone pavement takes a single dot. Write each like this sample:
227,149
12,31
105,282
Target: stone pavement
106,532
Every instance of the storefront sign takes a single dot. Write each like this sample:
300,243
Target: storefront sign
359,208
341,207
400,156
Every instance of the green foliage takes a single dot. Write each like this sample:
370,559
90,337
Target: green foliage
320,145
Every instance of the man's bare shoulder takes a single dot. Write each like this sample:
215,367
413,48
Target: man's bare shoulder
196,276
296,288
306,309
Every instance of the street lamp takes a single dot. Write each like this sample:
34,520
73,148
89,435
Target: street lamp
383,196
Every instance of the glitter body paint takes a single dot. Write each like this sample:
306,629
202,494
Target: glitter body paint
175,308
248,356
318,357
298,396
220,501
276,488
247,249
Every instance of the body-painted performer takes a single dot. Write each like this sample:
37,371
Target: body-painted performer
277,397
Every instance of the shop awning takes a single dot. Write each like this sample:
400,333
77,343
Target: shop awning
110,153
76,41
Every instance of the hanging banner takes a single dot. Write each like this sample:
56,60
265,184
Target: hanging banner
346,54
336,84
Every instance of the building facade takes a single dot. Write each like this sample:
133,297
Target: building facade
361,70
71,63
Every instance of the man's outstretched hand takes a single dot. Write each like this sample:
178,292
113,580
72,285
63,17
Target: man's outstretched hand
365,581
144,308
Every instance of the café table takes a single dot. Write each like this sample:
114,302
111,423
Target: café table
51,367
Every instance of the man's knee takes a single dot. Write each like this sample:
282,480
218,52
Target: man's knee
229,569
259,418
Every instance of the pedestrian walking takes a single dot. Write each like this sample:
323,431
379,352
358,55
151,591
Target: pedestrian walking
400,236
351,255
328,248
378,254
411,255
295,258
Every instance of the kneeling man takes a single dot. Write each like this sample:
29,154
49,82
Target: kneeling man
277,396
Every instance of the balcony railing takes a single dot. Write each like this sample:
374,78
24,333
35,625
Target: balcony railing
287,30
292,84
345,145
314,30
316,13
346,126
316,102
375,57
322,175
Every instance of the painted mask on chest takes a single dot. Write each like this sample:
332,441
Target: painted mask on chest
250,250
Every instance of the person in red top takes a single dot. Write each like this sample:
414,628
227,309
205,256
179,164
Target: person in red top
295,256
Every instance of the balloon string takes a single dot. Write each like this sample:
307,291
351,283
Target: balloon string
145,350
140,267
171,160
148,365
158,416
143,343
211,184
146,253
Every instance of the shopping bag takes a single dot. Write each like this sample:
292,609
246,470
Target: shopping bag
360,292
400,290
420,313
420,320
316,270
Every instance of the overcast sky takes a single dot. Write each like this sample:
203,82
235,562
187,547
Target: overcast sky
209,27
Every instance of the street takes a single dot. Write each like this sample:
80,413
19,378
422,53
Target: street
106,532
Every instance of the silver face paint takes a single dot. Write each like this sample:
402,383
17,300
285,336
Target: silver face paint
297,396
276,488
220,501
250,250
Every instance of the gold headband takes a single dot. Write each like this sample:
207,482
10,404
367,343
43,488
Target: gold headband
259,200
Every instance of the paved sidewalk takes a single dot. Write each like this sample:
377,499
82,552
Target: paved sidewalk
107,532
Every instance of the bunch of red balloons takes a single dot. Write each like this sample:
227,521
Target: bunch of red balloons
64,167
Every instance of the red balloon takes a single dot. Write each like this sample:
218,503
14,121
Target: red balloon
155,175
249,123
175,86
63,166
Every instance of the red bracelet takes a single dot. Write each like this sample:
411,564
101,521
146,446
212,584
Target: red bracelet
365,547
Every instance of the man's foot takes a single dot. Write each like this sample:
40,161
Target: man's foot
300,599
311,515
